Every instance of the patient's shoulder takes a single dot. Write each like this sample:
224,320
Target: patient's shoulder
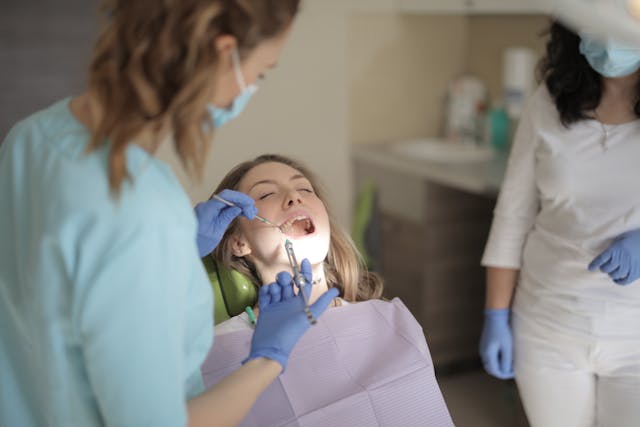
339,302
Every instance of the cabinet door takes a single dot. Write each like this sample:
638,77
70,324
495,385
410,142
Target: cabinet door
473,6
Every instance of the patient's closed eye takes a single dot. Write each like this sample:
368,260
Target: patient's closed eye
264,196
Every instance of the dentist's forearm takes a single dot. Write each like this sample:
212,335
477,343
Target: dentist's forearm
501,283
227,403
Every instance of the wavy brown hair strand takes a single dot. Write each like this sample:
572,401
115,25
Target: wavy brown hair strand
153,71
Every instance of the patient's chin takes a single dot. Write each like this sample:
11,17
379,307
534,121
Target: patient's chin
316,256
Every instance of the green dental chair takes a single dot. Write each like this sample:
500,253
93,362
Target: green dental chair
232,291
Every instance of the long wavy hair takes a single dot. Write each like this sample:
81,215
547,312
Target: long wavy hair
575,87
344,267
153,70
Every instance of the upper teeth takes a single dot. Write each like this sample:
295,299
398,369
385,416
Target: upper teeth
289,223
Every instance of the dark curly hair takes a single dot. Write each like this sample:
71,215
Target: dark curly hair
575,87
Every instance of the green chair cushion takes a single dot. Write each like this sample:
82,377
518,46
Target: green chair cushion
232,291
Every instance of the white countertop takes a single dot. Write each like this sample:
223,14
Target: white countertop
481,177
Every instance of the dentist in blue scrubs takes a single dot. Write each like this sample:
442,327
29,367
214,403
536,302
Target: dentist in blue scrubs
105,308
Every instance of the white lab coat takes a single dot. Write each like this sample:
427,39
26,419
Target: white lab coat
566,195
568,192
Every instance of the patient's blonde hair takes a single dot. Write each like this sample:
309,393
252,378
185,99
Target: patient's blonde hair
153,70
344,267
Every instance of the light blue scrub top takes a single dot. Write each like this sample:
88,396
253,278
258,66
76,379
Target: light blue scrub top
105,308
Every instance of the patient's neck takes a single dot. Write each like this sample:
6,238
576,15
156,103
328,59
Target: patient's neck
319,283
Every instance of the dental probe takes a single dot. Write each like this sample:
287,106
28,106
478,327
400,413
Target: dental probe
258,217
299,279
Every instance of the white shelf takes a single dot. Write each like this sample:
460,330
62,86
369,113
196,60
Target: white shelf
483,178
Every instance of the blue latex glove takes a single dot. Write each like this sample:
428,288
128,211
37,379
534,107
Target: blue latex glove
496,344
282,320
621,260
214,218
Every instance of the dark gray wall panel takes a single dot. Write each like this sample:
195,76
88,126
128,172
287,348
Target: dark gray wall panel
45,48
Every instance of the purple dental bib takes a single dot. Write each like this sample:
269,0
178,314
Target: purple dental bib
364,364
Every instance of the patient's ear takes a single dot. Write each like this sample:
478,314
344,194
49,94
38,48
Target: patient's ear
239,246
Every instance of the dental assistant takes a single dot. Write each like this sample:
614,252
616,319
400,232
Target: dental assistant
563,255
105,307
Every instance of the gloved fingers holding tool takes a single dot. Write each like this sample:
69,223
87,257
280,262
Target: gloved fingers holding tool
621,260
214,217
496,344
282,319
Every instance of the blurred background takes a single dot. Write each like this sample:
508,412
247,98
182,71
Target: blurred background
404,108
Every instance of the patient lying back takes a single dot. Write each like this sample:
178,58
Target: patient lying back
367,359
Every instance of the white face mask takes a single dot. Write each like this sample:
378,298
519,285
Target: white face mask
610,58
222,115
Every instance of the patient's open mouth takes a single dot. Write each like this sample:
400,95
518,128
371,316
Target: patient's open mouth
298,226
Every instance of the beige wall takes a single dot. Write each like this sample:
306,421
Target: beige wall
400,65
490,35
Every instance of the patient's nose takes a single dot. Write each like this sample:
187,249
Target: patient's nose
293,198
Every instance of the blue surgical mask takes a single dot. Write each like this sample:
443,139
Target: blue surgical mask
222,115
610,58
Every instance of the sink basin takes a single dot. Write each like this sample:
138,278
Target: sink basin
437,150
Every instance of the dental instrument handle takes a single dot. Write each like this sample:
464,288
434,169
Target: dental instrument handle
258,217
299,279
